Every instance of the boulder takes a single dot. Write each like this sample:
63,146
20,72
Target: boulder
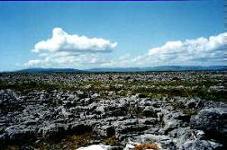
149,112
53,130
200,145
212,121
19,132
194,103
105,131
96,147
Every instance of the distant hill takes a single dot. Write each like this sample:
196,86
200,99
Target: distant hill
50,70
161,68
132,69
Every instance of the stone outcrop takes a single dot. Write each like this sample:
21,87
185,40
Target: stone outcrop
42,115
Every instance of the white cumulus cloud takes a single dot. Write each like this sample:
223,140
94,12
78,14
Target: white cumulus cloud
199,51
69,50
66,50
62,41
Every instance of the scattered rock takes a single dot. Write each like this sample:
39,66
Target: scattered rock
212,121
42,115
200,145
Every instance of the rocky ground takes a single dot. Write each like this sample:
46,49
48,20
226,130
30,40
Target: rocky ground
186,111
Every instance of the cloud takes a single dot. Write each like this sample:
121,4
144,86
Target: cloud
66,60
65,50
199,51
62,41
191,51
33,62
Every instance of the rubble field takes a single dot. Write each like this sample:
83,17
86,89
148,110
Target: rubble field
113,111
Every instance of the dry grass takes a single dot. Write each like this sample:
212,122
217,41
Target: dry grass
111,141
71,142
146,147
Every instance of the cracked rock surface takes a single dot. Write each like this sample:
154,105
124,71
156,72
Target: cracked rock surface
38,119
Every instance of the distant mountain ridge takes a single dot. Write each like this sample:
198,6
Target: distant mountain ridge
49,70
161,68
130,69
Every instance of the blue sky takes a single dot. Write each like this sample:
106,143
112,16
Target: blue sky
117,34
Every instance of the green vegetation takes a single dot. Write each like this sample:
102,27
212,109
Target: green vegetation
197,85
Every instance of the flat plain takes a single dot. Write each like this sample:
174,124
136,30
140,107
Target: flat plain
168,110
